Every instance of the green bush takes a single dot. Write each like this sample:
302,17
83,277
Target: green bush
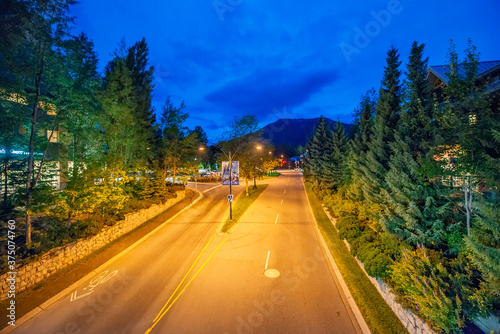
375,261
422,280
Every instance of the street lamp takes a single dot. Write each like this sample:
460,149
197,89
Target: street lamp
230,157
201,148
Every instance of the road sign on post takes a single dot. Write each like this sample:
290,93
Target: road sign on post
230,198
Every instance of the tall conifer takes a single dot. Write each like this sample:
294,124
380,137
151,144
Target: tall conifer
386,119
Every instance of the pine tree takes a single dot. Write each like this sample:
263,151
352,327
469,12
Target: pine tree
484,242
363,129
142,82
318,151
335,167
385,123
117,119
413,205
466,120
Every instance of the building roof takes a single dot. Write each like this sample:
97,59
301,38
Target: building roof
484,68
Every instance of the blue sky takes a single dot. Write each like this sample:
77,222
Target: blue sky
281,59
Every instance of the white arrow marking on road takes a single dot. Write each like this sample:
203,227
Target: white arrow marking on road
74,297
277,218
281,201
267,261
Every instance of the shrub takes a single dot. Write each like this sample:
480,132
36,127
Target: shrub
422,280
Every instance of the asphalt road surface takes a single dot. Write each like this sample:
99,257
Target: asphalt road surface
268,276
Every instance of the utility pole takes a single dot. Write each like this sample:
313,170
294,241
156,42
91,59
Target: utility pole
230,188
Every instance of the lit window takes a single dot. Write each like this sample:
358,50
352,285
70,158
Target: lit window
52,139
472,119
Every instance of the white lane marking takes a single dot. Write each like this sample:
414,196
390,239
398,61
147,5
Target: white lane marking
284,191
267,261
281,201
204,191
276,221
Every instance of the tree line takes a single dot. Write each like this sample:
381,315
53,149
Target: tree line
98,131
415,187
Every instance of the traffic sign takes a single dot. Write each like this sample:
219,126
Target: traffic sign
229,198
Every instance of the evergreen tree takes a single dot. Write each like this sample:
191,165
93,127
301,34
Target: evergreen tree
335,167
31,55
201,135
360,144
117,119
466,120
385,123
417,124
484,242
77,104
318,151
142,83
413,205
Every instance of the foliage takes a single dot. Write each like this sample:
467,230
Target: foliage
318,153
422,280
375,311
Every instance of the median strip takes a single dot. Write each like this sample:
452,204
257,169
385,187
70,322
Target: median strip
241,205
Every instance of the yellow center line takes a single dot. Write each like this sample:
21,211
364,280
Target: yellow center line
178,286
182,291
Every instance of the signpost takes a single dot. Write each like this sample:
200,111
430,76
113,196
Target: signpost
230,176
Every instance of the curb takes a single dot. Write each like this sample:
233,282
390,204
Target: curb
28,316
354,307
242,216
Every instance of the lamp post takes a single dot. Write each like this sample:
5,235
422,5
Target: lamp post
201,148
230,157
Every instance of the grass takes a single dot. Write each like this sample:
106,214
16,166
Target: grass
242,204
270,175
377,314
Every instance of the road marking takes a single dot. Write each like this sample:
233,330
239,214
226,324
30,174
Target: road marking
277,218
267,261
99,279
204,191
284,191
74,297
281,201
182,291
178,286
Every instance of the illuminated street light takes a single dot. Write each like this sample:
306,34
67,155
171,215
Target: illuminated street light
231,157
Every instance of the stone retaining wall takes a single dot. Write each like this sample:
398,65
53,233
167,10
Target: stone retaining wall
60,257
410,320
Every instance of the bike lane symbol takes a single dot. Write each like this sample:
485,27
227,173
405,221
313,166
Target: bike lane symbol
94,282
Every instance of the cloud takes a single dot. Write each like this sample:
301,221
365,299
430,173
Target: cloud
262,91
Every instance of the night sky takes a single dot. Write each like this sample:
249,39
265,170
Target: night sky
281,59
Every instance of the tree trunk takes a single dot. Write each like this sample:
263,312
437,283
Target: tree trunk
254,183
467,184
29,176
173,176
6,173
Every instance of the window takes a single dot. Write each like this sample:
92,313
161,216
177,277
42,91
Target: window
52,139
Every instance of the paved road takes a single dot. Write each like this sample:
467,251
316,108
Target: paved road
187,279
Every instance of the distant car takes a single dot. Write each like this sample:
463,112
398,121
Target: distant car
171,180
